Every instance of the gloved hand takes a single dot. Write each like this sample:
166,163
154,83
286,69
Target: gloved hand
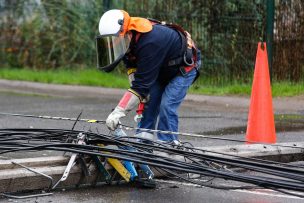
128,102
113,119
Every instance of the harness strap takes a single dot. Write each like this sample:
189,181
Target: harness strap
187,58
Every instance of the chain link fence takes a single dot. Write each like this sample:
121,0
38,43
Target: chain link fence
288,60
59,33
227,32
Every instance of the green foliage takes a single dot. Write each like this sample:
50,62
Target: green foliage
60,33
53,34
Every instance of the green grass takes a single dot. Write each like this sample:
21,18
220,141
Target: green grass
93,77
283,89
229,89
90,77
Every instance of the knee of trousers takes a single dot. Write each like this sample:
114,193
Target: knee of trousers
166,108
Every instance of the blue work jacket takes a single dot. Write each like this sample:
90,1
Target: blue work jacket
153,51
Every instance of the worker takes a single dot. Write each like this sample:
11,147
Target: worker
162,62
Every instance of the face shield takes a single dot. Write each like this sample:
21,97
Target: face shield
110,50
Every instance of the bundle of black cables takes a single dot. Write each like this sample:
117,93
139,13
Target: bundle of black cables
169,159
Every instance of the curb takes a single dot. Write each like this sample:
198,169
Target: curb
14,178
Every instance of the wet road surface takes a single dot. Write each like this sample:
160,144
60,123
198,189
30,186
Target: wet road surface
164,193
196,117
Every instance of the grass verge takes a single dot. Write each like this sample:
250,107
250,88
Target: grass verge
87,76
93,77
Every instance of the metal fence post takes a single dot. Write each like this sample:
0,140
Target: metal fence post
269,32
107,5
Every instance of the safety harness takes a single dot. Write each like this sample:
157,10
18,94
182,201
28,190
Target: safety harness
187,58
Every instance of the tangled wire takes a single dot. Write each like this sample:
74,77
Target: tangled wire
163,157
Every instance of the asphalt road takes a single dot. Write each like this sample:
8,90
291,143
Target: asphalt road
214,116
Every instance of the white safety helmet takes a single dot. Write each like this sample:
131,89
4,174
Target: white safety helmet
114,39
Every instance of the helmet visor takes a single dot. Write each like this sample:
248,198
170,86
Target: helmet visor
110,50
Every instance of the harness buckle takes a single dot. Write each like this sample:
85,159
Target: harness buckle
187,58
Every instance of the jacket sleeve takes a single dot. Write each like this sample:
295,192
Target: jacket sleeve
150,59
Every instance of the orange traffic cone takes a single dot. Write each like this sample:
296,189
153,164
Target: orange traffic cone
260,126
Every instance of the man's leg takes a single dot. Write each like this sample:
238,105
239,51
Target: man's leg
152,107
172,97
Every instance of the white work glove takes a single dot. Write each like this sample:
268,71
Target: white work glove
128,102
113,119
